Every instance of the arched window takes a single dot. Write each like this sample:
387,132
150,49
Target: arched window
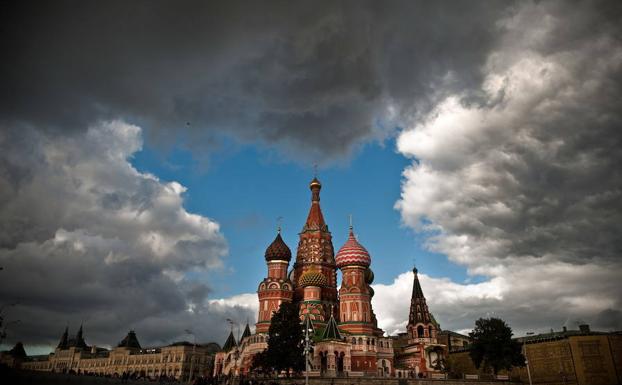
360,341
430,332
420,331
353,341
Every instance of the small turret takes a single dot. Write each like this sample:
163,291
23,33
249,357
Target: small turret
79,341
130,341
64,339
230,343
247,332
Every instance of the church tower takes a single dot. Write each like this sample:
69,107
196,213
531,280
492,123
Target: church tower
421,325
356,314
422,352
276,288
315,274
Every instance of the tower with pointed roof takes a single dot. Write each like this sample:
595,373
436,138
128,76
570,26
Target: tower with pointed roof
230,343
421,324
64,339
79,342
130,341
276,288
421,350
314,272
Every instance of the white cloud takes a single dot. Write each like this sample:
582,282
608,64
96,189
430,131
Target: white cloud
533,296
87,237
522,186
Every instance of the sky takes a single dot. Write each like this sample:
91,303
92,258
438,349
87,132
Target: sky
147,150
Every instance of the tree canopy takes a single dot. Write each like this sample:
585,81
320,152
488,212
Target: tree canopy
285,342
492,346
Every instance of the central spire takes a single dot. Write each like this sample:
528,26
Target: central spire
315,219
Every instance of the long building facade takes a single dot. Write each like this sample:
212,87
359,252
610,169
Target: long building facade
181,361
349,342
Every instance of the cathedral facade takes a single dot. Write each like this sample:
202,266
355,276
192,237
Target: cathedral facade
348,340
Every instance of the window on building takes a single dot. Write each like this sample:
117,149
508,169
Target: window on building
420,331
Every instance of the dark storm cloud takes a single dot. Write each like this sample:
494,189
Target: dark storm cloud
316,77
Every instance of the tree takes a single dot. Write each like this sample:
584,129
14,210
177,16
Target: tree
492,346
18,351
285,342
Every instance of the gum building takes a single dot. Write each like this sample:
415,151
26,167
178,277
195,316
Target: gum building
181,360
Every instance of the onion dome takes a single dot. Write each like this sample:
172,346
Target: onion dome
278,250
352,253
312,278
369,276
315,183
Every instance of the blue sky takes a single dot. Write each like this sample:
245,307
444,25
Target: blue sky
246,188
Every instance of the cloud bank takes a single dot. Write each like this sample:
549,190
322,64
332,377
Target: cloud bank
522,185
509,111
85,237
311,80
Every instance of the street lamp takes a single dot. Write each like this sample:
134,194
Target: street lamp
236,353
308,346
526,359
192,358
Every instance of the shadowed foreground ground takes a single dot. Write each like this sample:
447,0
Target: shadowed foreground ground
20,377
12,377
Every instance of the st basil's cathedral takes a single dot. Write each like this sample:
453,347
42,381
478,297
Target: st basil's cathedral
348,340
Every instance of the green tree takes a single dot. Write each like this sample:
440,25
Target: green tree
492,346
285,342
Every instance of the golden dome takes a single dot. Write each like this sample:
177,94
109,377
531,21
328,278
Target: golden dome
312,278
315,182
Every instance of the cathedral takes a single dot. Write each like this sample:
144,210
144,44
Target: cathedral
348,341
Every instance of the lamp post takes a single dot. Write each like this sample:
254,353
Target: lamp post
308,345
192,358
236,353
527,359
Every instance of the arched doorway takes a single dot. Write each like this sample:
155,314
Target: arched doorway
339,358
323,362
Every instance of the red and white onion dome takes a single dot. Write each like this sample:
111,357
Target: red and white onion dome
352,253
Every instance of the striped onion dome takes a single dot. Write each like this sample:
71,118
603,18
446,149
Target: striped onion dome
312,278
352,253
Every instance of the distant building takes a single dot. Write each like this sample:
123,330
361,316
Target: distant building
453,340
571,357
177,360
